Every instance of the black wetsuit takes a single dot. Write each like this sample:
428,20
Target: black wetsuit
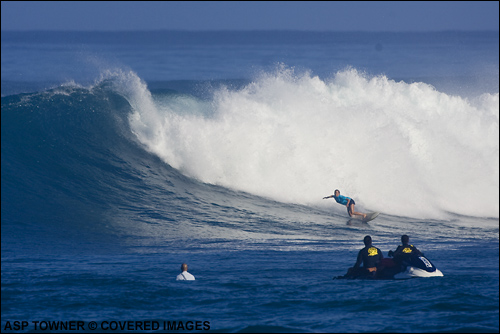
370,256
403,252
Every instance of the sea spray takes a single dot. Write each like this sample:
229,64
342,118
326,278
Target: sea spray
399,148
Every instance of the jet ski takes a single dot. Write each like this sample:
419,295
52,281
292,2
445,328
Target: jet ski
415,266
411,267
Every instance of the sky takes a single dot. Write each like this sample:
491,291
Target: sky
249,15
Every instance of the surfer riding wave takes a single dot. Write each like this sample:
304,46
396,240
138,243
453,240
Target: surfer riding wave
347,201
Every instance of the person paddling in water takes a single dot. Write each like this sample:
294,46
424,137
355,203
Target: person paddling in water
347,201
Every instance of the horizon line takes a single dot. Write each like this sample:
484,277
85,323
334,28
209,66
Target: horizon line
248,30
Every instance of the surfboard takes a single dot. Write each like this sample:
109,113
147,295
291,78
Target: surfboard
371,216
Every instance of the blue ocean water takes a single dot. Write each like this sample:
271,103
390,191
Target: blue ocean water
127,154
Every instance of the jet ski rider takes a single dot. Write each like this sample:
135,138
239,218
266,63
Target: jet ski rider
370,256
404,251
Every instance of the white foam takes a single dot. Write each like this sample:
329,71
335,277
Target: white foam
398,148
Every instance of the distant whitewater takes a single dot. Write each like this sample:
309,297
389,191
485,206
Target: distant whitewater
398,148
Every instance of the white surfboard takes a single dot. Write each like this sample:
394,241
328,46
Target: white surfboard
370,216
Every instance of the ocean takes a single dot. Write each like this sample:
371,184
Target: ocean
126,154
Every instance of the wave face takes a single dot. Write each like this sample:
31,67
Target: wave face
398,148
68,156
